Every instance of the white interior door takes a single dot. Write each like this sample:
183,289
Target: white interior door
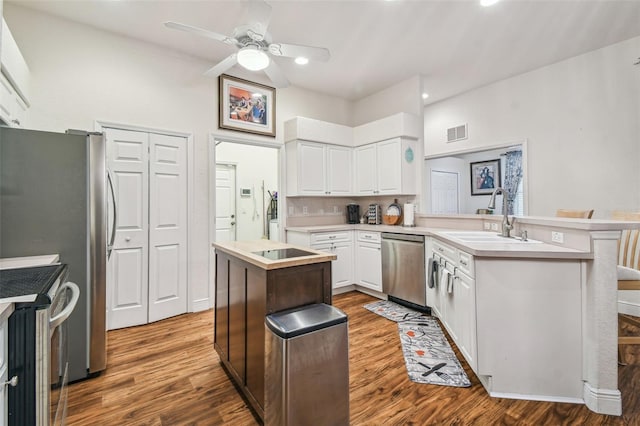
127,272
225,202
167,226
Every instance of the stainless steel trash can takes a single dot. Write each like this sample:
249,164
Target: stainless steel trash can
307,367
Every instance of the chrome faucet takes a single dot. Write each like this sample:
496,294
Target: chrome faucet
506,225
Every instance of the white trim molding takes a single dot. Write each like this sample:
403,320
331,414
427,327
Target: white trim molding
603,401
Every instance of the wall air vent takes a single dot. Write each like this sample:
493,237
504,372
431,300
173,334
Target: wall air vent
457,133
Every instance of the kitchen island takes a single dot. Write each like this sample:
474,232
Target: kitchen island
254,279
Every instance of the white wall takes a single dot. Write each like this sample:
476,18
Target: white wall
254,165
581,118
81,74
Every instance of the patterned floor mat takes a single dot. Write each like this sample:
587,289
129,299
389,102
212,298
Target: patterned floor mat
427,354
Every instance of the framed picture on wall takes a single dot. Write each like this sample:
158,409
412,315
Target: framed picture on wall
246,106
485,177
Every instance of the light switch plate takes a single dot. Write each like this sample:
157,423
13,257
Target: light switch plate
305,210
487,226
557,237
494,226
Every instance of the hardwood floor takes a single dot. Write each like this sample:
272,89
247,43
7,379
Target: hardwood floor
167,373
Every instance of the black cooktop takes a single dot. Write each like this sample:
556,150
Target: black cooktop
24,281
285,253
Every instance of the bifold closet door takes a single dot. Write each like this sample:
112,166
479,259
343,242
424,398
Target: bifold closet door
167,226
128,266
147,272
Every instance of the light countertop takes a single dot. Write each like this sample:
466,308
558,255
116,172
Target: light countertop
28,261
481,249
245,250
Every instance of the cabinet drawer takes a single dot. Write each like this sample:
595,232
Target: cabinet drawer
465,263
329,237
369,236
445,250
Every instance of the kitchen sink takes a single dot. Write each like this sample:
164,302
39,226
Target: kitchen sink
485,237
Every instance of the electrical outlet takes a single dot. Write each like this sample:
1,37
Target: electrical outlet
557,237
487,226
494,226
305,210
291,210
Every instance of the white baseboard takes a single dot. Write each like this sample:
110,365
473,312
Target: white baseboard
344,289
603,401
370,292
628,308
200,305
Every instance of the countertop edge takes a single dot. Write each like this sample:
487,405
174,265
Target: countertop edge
243,250
537,251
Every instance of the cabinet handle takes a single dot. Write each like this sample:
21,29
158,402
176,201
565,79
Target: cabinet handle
127,239
462,262
13,382
16,121
331,237
440,249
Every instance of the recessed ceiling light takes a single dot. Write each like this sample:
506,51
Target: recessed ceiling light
425,95
301,60
487,3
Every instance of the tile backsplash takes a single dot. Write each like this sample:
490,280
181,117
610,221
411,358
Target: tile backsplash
313,211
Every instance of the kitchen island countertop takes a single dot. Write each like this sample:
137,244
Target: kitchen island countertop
245,250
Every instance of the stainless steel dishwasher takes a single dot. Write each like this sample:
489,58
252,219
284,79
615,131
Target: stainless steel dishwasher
403,269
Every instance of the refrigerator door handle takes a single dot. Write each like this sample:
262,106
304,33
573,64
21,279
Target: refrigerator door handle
112,238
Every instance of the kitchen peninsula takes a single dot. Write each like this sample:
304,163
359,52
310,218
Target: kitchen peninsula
254,279
535,319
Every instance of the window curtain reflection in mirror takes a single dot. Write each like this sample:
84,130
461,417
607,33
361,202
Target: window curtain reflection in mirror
512,177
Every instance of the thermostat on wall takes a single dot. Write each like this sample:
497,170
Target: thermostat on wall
245,192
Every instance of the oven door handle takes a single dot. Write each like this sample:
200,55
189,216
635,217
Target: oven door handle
64,314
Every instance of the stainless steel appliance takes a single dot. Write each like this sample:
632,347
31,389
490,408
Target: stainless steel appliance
353,213
37,344
374,214
53,200
403,269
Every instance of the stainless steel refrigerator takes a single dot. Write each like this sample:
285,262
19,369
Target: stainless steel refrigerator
53,199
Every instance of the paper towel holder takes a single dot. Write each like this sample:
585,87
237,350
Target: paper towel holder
409,209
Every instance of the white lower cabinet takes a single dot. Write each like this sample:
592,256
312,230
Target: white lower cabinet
456,308
5,312
369,260
339,243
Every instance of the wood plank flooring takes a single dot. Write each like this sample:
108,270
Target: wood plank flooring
167,373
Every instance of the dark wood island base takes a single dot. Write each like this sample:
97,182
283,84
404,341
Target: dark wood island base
247,289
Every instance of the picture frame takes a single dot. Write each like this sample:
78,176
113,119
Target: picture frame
485,177
245,106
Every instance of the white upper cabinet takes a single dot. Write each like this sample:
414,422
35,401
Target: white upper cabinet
318,169
14,81
386,167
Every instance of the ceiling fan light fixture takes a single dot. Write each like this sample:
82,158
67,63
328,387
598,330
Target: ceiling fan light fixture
301,60
253,58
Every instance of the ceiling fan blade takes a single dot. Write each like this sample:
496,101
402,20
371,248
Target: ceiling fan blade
221,67
258,17
296,50
274,72
200,31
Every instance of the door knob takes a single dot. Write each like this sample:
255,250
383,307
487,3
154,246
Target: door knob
233,223
232,216
13,382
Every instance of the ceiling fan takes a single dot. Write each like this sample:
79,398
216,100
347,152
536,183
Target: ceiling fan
255,47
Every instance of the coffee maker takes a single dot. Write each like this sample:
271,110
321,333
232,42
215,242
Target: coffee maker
353,213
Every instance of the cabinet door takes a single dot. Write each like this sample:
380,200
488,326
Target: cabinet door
342,267
365,170
237,317
311,168
339,167
465,322
369,264
389,167
449,308
221,328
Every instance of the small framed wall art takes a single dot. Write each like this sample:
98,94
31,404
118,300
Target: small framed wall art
485,177
246,106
